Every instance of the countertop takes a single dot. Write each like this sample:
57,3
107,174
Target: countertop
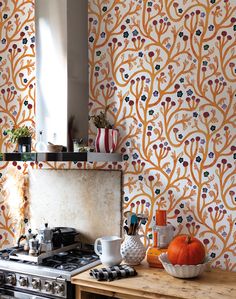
156,283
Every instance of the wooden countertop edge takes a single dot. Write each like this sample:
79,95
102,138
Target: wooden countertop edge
158,284
120,290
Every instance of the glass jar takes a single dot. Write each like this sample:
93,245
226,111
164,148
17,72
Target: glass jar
40,145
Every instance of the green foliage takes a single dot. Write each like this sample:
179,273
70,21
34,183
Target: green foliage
16,133
100,120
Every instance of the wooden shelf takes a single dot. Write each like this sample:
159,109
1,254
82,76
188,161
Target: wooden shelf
62,156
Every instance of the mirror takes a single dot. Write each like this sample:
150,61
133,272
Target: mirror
61,70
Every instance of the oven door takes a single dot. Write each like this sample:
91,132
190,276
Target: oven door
11,294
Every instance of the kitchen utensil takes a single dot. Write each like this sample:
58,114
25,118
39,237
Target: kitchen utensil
133,224
46,233
126,213
182,271
110,250
45,236
126,229
26,237
33,246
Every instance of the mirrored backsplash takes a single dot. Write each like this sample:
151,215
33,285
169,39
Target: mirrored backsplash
87,200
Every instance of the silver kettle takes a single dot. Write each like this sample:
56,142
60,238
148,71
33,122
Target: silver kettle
33,246
26,237
45,236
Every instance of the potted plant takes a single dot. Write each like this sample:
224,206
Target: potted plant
22,136
106,139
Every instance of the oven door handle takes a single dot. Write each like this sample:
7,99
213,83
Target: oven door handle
11,294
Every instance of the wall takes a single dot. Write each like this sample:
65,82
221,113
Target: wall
17,97
167,71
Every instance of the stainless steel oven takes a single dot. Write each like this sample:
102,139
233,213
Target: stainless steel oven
10,294
49,279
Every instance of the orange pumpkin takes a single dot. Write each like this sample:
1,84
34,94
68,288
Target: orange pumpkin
186,250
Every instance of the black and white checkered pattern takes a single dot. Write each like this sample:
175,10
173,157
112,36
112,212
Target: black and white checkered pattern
112,273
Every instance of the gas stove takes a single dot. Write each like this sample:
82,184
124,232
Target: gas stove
51,278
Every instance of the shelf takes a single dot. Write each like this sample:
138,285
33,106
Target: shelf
62,156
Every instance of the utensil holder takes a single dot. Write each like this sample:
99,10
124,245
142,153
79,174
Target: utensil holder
132,249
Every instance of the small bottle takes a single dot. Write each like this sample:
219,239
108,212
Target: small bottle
40,145
160,239
75,146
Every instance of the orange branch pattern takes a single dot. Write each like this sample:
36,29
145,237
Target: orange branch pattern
166,69
17,101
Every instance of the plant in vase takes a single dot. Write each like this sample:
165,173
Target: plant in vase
106,139
22,136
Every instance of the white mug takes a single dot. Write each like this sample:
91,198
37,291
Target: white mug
110,254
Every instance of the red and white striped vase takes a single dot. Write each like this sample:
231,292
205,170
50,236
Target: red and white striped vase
106,140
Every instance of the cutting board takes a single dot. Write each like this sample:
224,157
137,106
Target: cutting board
88,200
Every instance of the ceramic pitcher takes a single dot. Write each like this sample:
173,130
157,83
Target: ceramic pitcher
132,249
110,250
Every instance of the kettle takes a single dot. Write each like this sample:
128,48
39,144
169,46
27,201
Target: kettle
26,237
45,236
33,246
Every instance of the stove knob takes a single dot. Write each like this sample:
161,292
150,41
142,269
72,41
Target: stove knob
2,278
59,288
11,279
23,281
36,283
48,286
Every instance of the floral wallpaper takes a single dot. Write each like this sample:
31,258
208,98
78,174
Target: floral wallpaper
166,71
17,98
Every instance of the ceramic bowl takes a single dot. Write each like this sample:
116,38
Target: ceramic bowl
184,271
53,148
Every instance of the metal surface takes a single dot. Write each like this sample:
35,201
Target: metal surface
50,279
43,271
63,156
94,197
51,70
21,255
11,294
62,69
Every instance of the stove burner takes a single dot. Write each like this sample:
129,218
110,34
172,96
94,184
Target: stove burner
67,267
68,261
64,253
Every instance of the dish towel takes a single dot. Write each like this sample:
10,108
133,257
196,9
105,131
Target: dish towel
112,273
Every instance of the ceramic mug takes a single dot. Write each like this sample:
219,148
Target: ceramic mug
110,254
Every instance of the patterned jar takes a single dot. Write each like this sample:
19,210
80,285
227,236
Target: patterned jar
132,249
